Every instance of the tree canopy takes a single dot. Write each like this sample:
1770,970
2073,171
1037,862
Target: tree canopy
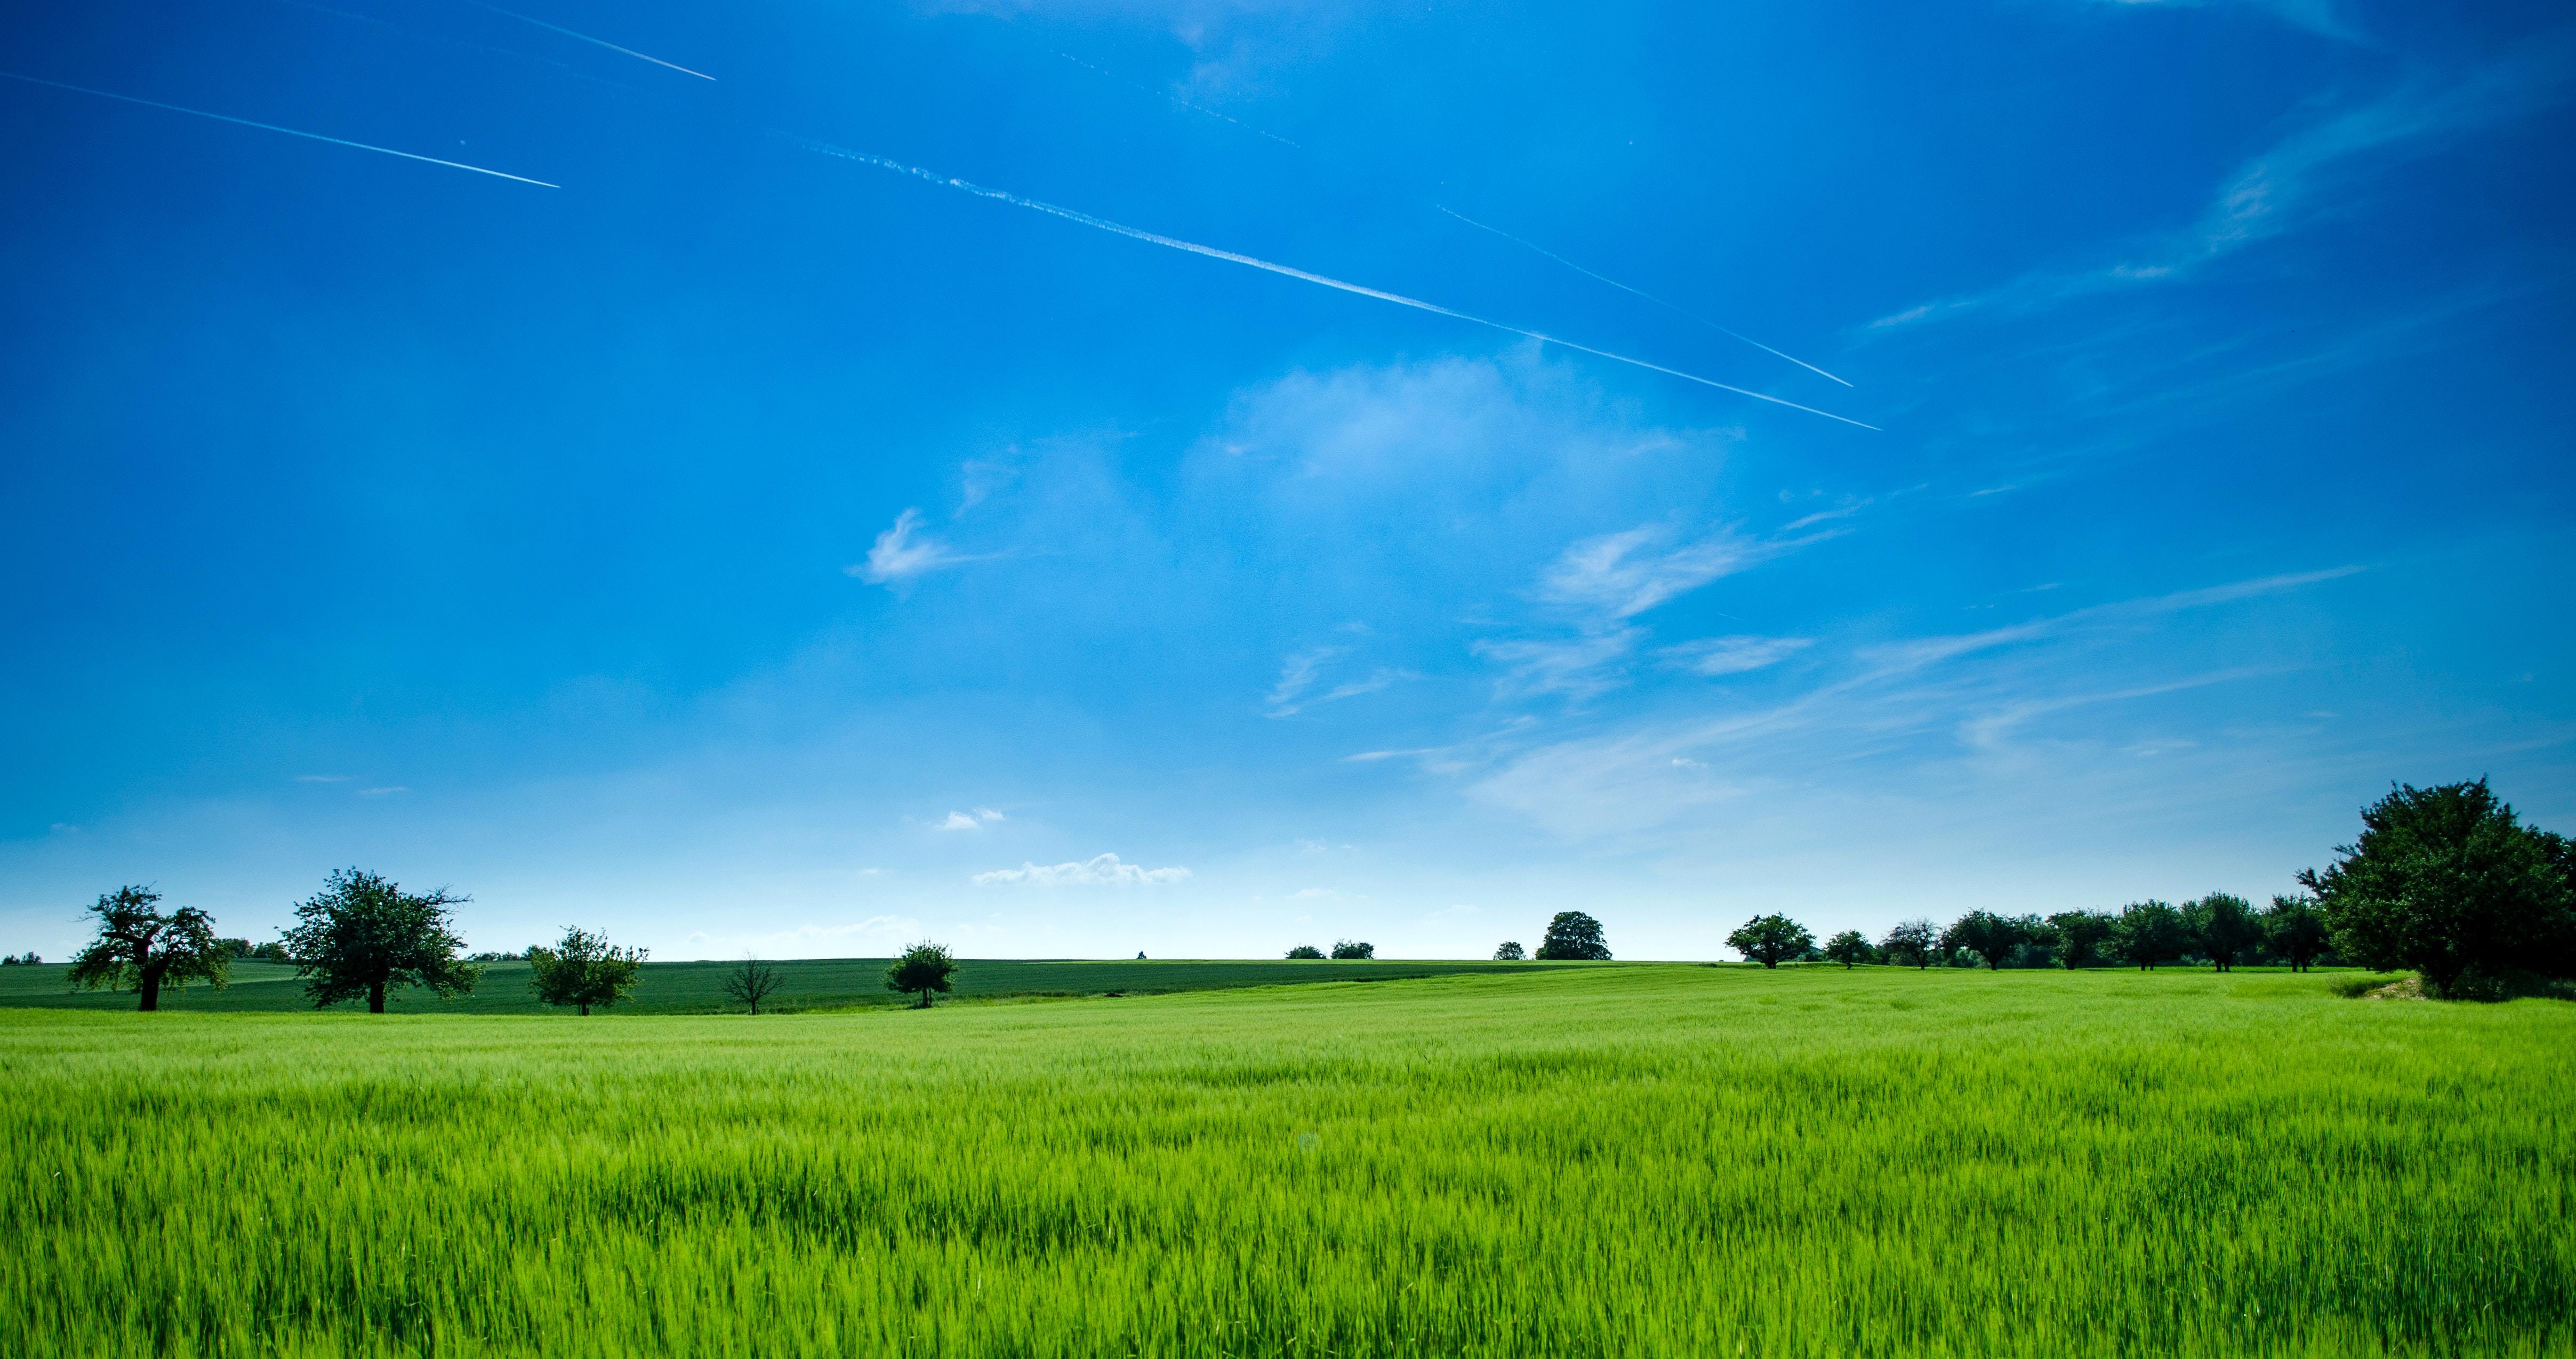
1510,951
1305,951
1913,942
2151,932
1849,948
1770,939
138,948
362,935
2448,882
582,970
2080,936
1354,948
925,967
2293,929
2225,926
1574,937
1988,935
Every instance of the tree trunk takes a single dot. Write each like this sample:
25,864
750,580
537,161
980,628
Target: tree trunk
151,990
582,1008
375,998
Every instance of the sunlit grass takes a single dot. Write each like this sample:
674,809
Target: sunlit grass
1682,1161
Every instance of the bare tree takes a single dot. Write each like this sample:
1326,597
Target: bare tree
751,982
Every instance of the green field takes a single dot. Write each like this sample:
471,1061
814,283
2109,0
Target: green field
806,984
1653,1160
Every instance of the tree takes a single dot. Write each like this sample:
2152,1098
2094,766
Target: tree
583,969
1769,939
1510,951
2151,932
362,935
751,983
2294,930
2224,925
1988,935
1573,937
1354,948
2448,882
1305,951
1913,942
2080,936
1849,947
925,967
139,949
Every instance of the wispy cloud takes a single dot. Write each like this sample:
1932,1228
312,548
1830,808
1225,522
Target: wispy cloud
902,552
1106,870
1732,655
1302,672
321,778
2291,184
967,821
387,791
1626,573
1920,652
1580,668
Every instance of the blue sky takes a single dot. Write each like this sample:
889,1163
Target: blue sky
741,547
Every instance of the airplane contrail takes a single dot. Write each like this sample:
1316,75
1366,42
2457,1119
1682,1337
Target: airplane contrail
603,42
272,127
1640,292
1399,299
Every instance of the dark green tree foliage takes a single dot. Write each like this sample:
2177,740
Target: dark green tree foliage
1913,943
925,967
582,970
364,936
2151,932
1849,948
1990,936
1770,940
2447,882
751,983
1573,937
2225,927
2293,929
1354,948
139,949
2079,937
1305,951
1510,951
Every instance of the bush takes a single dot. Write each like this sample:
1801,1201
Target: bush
1354,948
1305,951
1509,951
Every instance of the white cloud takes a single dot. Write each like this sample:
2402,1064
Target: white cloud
321,778
1620,573
1301,671
1733,655
1580,668
902,552
977,819
1105,870
387,791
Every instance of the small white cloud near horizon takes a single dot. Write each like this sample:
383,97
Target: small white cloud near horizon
966,821
903,552
1104,870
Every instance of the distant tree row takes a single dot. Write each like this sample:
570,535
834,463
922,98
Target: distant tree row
1571,936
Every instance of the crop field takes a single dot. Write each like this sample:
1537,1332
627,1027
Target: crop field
1649,1160
806,984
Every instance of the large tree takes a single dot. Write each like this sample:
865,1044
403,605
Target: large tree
1770,940
925,967
2079,936
2448,882
137,948
2224,925
2293,929
1850,947
1913,942
362,935
1988,935
583,969
1574,937
2151,932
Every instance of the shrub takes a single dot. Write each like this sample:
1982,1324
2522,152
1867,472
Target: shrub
1305,951
1354,948
1509,951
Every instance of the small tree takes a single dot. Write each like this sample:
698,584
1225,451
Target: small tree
1850,947
1510,951
925,967
2224,925
1575,937
1914,943
2080,936
1354,948
2448,882
1988,935
751,983
139,949
2293,929
583,969
1770,940
1305,951
362,935
2151,932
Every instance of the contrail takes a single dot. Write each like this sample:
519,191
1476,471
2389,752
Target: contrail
1104,224
558,28
1164,94
272,127
1604,278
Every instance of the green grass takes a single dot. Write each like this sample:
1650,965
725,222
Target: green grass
806,984
1612,1161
